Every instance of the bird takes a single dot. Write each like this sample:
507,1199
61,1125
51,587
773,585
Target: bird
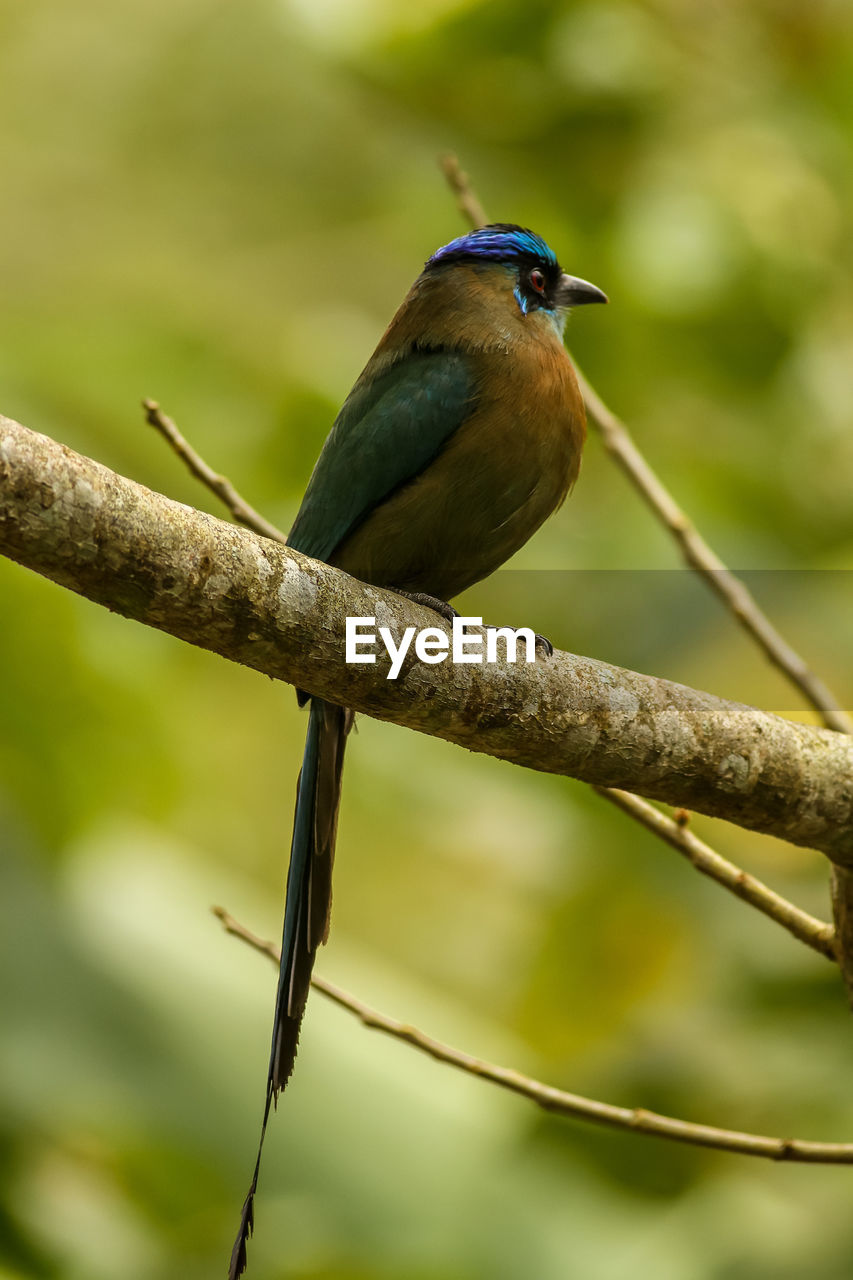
460,437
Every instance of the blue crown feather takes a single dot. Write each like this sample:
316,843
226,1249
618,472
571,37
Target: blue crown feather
500,242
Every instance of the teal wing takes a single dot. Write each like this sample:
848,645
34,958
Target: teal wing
388,431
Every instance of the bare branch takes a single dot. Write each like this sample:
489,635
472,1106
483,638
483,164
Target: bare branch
731,590
557,1101
221,486
466,197
266,606
814,933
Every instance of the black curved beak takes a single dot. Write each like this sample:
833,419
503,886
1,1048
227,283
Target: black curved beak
572,292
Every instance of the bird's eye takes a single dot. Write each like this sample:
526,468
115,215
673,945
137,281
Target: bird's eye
537,280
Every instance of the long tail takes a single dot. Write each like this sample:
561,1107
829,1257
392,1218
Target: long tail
306,913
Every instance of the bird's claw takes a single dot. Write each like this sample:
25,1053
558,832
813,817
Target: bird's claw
443,609
542,644
440,607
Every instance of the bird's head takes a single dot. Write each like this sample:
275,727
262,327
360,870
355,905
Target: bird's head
538,281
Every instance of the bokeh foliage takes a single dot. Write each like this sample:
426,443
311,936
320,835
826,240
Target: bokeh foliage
220,206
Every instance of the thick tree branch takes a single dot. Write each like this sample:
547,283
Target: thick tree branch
261,604
557,1101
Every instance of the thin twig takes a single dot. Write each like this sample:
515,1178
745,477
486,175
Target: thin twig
460,185
731,590
734,594
557,1101
814,933
218,484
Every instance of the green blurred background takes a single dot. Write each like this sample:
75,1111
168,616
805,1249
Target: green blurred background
220,205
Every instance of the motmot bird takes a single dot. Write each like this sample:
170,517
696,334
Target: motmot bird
460,437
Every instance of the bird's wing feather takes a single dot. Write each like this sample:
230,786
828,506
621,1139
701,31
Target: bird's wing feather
388,430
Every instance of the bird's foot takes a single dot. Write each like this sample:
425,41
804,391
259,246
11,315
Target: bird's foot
440,607
542,643
446,611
